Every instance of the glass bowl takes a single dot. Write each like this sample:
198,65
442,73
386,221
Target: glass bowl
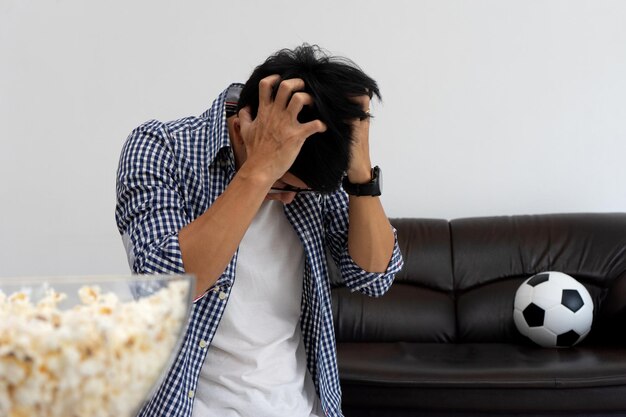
88,346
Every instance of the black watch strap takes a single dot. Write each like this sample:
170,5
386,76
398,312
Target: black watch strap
372,188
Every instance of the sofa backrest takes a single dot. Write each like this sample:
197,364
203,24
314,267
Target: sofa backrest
460,277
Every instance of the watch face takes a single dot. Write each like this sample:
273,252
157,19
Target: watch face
379,179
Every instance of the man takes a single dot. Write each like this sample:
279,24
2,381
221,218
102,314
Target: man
248,197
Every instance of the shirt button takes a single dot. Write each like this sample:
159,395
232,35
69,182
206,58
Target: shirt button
191,393
202,344
222,295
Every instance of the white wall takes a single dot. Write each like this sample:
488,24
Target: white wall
490,107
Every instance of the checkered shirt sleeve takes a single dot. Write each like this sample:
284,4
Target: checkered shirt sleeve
353,276
150,209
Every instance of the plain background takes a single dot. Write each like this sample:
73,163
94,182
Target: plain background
491,107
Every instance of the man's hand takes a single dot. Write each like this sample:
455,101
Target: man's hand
274,138
359,169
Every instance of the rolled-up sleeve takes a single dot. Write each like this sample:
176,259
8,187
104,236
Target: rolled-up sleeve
150,209
353,276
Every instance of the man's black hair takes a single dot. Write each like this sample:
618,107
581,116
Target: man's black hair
333,82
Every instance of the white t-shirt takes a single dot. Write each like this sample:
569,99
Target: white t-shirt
256,363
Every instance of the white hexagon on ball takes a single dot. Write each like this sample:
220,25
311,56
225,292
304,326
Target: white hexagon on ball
553,309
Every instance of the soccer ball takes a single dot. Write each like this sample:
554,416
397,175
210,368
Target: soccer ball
553,310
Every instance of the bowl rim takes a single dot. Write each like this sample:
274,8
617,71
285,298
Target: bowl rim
90,279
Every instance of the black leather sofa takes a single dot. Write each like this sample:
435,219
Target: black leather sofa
442,341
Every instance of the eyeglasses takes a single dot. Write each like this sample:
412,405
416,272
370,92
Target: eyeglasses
290,189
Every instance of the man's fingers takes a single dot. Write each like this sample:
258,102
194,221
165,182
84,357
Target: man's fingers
314,126
289,99
265,89
298,101
364,99
286,89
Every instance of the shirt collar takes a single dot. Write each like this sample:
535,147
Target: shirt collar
218,137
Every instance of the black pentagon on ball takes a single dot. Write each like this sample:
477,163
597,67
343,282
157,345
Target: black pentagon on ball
572,300
567,339
538,279
533,314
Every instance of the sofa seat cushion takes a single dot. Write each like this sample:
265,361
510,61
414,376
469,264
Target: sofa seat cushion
505,376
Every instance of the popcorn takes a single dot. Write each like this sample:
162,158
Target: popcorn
98,359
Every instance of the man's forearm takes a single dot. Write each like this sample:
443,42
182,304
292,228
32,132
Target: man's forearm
370,235
208,243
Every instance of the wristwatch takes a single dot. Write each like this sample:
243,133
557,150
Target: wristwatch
373,188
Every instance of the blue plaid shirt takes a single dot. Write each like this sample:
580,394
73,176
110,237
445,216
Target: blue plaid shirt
169,174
